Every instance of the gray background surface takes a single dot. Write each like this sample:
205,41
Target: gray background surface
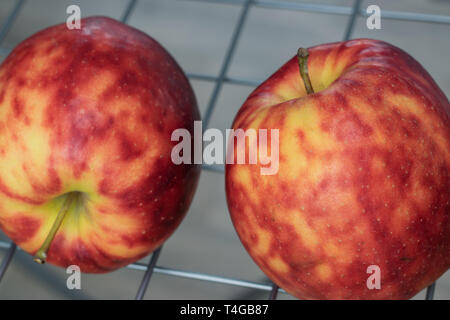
197,34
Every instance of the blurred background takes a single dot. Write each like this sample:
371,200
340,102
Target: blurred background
199,34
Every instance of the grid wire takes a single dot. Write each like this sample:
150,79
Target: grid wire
246,5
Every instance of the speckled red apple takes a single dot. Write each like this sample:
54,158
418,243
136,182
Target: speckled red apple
363,175
86,118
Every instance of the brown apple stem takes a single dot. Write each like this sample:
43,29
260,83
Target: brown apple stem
41,254
302,55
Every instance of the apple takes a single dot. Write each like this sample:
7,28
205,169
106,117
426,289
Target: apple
360,205
86,117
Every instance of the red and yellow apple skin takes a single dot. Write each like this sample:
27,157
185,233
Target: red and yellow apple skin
363,175
93,110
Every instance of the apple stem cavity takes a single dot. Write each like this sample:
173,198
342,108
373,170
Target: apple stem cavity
41,255
302,55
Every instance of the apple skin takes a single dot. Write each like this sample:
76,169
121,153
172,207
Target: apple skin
363,175
93,110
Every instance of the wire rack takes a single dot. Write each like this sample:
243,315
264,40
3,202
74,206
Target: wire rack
352,12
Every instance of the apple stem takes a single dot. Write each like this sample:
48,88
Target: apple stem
302,55
41,254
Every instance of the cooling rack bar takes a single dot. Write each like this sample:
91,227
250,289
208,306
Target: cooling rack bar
352,19
4,245
10,19
307,7
430,291
232,80
411,16
226,63
205,277
128,10
148,274
7,260
337,10
274,292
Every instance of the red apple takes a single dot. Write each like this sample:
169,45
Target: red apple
86,118
363,175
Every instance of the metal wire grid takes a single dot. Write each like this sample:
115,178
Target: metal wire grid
246,5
